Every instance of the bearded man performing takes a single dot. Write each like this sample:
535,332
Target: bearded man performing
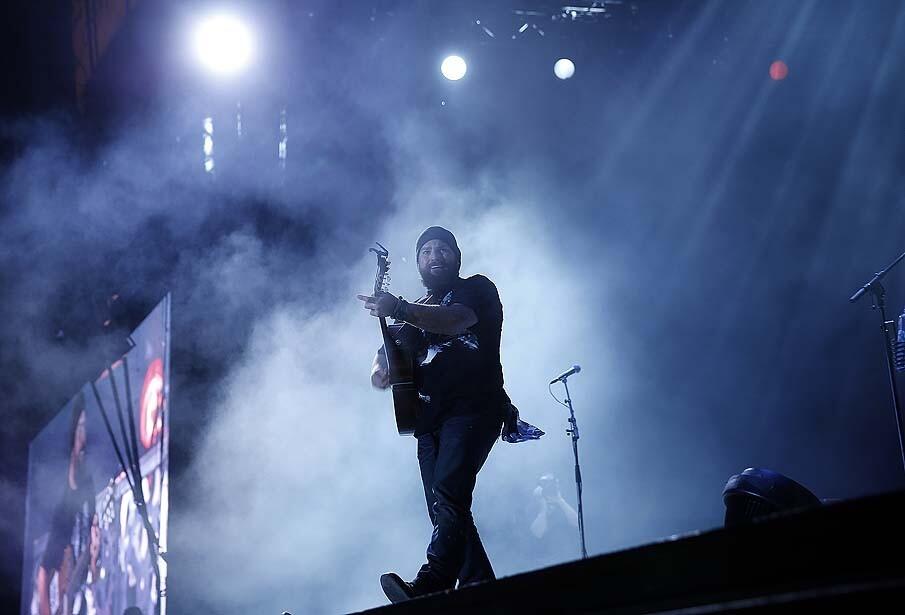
460,383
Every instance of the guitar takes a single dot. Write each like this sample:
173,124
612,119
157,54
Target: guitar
400,363
73,574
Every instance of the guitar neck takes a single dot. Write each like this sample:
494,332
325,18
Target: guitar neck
384,329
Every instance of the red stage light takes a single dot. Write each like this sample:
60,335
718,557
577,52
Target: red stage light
778,70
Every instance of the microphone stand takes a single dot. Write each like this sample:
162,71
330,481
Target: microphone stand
573,432
878,294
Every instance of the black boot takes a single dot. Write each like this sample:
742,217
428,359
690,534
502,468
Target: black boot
395,588
398,590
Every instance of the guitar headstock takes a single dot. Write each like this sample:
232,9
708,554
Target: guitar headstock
382,280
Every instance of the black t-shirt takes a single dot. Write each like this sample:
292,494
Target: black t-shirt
461,374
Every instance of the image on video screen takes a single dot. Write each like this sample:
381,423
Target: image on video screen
87,550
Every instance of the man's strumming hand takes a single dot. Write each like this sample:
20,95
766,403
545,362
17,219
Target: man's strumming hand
380,377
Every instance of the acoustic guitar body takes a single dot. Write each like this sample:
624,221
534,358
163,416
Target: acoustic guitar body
406,401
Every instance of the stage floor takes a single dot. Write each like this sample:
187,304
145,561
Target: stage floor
845,555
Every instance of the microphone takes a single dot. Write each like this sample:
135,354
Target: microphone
575,369
900,345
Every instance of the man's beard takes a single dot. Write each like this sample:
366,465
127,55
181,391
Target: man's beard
443,281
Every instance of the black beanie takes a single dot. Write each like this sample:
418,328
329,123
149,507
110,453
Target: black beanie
438,232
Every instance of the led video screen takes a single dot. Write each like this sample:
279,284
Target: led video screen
87,547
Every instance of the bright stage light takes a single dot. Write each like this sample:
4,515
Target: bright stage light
223,44
564,68
453,68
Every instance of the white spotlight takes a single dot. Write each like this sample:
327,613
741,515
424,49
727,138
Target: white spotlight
564,68
223,44
453,68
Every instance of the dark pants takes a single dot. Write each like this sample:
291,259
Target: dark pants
450,459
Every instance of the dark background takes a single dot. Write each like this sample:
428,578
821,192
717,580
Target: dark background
714,220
